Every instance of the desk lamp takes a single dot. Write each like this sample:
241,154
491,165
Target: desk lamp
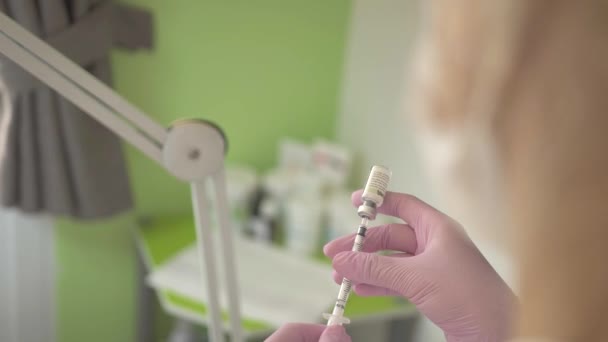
192,150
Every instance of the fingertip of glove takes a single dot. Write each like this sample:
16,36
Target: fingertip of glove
335,333
327,249
355,197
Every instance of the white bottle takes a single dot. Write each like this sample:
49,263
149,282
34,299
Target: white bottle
374,192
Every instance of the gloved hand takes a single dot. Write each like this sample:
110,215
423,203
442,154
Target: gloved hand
300,332
439,269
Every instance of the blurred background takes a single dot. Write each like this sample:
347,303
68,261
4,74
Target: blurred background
310,95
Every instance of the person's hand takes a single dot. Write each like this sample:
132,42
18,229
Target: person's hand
439,269
301,332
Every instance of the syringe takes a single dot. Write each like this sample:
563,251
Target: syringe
373,196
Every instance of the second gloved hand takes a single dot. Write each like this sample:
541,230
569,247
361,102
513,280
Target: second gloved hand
438,268
301,332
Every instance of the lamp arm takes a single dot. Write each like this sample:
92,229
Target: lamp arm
81,88
191,150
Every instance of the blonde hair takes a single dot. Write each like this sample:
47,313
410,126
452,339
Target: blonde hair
533,76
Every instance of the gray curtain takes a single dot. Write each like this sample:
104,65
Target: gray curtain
54,158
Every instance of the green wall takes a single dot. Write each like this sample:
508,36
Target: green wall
260,69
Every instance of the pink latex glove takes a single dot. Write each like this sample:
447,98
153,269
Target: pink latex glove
301,332
439,269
